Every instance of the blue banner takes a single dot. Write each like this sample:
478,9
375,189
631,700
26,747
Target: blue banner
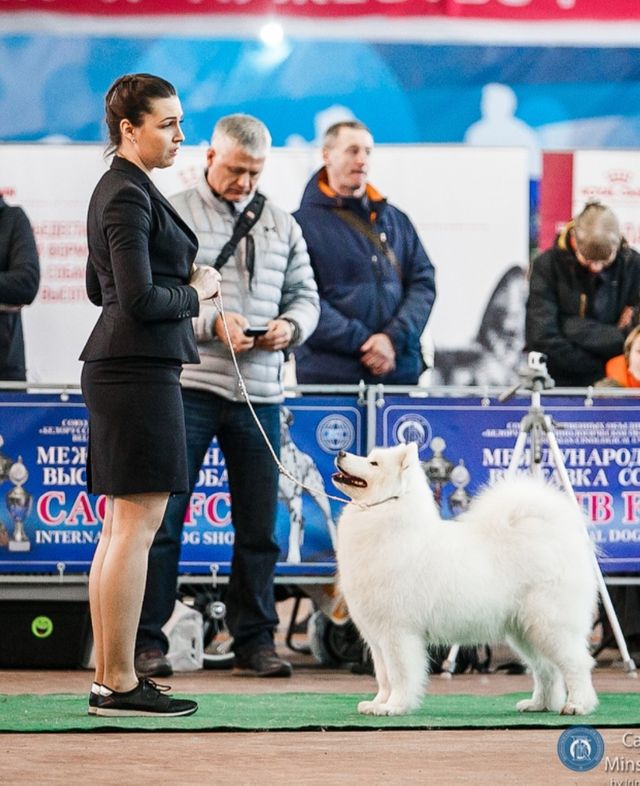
312,431
49,523
465,443
554,97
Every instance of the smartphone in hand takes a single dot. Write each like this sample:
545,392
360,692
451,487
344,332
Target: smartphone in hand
253,330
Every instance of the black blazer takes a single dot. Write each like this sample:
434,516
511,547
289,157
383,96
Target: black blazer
19,279
140,258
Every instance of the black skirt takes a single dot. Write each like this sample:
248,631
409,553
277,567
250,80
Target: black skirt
137,439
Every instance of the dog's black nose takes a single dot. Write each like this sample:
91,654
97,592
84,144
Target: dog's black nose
341,454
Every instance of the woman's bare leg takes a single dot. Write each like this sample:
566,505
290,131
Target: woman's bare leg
94,593
123,573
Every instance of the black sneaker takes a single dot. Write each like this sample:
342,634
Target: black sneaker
94,696
262,662
145,699
152,663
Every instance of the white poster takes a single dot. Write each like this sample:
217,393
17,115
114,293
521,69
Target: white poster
469,205
613,178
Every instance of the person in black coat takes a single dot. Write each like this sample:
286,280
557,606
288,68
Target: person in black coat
584,298
141,272
19,279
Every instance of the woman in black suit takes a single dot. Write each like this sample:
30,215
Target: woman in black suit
140,270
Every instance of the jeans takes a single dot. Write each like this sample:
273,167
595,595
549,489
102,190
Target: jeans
253,484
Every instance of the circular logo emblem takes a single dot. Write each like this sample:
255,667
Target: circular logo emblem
334,433
412,428
42,627
580,748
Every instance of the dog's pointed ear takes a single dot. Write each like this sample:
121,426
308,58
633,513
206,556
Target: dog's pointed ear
410,454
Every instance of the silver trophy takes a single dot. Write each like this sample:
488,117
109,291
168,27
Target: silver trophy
459,499
5,466
19,506
437,468
5,463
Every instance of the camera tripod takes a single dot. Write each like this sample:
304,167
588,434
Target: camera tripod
537,426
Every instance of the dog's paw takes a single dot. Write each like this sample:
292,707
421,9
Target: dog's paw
572,708
387,708
529,705
381,708
367,708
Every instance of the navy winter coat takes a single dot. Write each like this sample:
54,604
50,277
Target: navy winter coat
361,292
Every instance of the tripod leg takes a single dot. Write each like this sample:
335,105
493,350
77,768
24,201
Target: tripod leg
536,450
628,662
518,452
449,665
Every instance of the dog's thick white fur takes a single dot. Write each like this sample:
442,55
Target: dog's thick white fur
518,565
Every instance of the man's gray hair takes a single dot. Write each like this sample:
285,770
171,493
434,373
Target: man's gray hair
246,131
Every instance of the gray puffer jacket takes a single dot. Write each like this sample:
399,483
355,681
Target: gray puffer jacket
281,285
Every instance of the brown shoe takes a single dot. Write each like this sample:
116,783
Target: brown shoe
152,663
262,662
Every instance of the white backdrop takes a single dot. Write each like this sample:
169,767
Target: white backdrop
612,177
470,206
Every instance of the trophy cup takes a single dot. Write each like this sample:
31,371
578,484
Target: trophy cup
5,466
459,499
4,535
437,468
5,463
19,506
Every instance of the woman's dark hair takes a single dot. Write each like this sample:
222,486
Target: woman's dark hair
130,97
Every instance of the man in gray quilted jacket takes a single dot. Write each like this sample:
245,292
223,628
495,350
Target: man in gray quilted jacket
267,282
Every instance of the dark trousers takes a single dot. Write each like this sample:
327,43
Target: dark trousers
253,483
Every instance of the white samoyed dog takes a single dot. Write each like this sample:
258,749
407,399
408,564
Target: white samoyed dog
518,565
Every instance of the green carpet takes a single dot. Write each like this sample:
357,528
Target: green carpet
307,711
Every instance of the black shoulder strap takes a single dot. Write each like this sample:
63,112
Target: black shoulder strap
379,240
243,225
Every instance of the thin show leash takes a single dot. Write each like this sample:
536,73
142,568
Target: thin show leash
243,389
217,300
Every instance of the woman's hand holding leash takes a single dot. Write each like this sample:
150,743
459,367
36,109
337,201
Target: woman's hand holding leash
206,281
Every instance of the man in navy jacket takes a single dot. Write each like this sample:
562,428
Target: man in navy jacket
376,283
